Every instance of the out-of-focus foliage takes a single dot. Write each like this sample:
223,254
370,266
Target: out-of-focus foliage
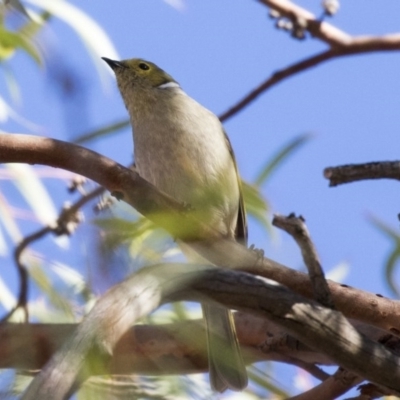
393,259
102,132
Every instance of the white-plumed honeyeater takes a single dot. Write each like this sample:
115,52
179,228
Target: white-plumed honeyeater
182,149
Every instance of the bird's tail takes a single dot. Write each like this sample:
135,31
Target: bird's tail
227,369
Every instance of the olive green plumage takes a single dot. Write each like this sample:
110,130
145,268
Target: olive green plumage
182,149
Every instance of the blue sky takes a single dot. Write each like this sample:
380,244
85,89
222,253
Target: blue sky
218,51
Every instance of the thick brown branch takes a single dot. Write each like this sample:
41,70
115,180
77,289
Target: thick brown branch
359,172
89,350
354,303
157,349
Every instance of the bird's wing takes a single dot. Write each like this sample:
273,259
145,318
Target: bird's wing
241,233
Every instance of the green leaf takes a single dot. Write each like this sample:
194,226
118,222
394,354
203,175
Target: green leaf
394,256
46,285
102,132
8,221
93,36
32,27
11,41
262,379
278,158
34,192
255,204
18,6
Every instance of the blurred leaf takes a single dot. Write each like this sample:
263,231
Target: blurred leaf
394,255
277,159
18,6
120,231
263,380
13,88
11,41
92,35
7,298
7,112
58,300
71,277
180,309
32,27
20,383
339,272
34,192
102,132
8,221
3,244
255,204
177,4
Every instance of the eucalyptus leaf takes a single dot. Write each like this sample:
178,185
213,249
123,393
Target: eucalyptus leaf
255,204
34,192
93,36
57,299
393,259
102,132
279,157
12,41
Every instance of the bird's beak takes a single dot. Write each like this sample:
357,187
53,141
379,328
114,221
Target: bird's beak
112,63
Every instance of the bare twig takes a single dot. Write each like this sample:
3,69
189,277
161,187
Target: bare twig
320,30
276,78
23,273
358,172
65,224
340,44
296,227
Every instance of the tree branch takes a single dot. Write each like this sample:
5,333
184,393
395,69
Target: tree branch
296,227
167,213
319,29
331,388
340,44
358,172
89,350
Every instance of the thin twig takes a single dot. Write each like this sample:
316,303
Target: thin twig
67,219
340,44
276,78
23,273
296,227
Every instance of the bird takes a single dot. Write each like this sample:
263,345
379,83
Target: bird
182,149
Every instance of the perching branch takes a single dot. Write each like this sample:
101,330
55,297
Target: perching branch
354,303
90,348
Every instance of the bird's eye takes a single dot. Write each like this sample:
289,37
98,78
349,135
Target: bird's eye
144,66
